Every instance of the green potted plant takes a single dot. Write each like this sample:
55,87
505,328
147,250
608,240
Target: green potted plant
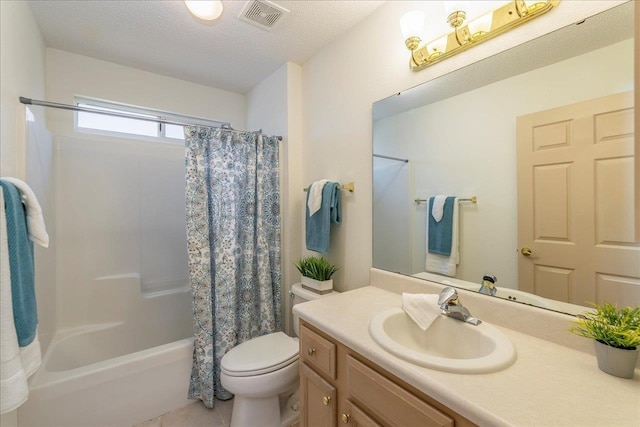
616,335
316,273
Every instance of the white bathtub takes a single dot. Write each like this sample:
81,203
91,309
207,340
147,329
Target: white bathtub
120,391
115,374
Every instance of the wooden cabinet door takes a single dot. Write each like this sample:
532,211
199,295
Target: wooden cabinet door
355,417
318,406
389,402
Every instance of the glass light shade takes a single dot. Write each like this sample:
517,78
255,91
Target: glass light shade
412,24
481,24
455,6
207,10
438,46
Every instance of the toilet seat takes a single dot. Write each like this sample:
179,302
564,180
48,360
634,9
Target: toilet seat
260,355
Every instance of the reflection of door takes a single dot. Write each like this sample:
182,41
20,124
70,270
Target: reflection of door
575,202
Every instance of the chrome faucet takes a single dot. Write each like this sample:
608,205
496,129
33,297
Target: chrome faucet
488,285
452,307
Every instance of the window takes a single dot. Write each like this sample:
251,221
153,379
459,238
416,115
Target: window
131,127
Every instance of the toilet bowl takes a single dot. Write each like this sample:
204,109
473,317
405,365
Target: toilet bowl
263,372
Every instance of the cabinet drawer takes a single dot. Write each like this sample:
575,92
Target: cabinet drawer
318,352
387,401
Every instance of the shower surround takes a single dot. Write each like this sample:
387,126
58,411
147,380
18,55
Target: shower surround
123,338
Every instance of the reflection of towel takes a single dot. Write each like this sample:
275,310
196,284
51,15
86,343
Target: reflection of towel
35,220
421,308
25,315
314,198
437,207
13,380
441,263
440,231
318,226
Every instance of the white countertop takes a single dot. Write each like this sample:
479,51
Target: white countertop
548,384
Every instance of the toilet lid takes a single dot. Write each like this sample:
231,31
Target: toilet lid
260,355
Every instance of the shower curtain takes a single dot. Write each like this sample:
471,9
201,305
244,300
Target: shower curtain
233,235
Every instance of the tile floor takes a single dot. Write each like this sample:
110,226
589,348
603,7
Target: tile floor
194,415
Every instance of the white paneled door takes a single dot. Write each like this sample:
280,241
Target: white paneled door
576,221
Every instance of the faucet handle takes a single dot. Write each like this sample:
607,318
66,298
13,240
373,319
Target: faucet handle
489,278
448,296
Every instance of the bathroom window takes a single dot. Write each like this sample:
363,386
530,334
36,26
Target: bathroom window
130,127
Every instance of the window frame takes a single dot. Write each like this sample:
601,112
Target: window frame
160,136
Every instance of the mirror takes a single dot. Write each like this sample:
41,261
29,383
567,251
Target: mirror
464,133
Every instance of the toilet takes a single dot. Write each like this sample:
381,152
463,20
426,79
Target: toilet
262,373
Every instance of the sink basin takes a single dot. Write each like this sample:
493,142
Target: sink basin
448,345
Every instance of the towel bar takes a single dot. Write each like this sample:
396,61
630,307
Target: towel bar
350,187
473,199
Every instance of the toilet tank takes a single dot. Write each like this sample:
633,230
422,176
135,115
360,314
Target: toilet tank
299,295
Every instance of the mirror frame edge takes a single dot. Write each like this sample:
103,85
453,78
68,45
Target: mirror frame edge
637,115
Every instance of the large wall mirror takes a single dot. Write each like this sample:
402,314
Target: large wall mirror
542,135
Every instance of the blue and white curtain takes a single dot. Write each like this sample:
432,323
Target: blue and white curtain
233,236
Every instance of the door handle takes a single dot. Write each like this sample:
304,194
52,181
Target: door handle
526,251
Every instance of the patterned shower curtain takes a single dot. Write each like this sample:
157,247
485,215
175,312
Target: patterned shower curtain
233,237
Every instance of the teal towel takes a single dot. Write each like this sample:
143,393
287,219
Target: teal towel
25,314
318,226
440,232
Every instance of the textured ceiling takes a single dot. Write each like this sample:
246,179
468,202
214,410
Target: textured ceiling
163,37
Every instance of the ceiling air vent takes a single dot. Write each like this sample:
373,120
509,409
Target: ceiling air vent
263,14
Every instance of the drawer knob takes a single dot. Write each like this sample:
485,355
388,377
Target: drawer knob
326,400
345,418
311,351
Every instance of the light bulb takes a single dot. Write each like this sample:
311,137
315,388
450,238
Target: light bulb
207,10
412,24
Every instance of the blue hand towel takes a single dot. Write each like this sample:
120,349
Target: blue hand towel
440,232
21,264
318,225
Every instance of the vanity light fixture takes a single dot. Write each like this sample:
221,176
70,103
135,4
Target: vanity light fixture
466,34
203,9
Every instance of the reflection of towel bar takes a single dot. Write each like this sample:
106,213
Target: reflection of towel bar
473,199
350,187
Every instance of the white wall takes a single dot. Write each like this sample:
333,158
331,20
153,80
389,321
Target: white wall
22,67
274,106
340,84
22,73
479,157
69,74
120,202
392,215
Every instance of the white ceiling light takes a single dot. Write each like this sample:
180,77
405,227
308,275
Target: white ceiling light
207,10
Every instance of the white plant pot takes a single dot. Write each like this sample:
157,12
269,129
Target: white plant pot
616,361
319,286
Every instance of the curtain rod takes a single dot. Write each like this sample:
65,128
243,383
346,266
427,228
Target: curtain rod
391,158
29,101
